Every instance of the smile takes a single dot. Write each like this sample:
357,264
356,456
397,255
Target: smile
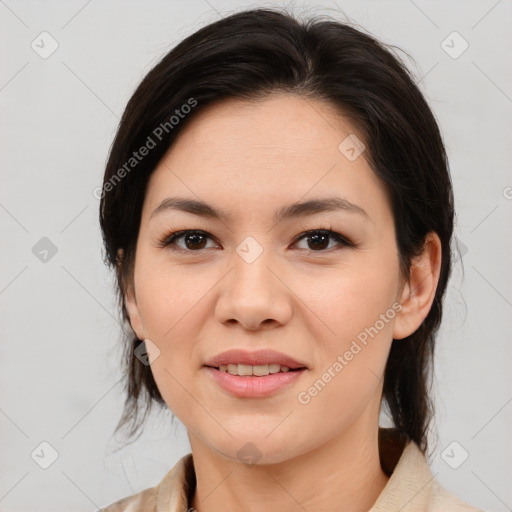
259,370
252,385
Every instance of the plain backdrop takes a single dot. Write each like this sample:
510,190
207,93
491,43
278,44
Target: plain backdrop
60,355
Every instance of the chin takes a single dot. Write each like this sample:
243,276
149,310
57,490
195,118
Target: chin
259,449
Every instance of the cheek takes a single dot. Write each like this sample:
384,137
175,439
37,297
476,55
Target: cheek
168,298
357,309
351,364
354,300
171,303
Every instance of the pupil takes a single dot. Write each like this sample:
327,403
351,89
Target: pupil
193,236
324,237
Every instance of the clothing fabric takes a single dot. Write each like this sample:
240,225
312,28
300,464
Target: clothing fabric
411,486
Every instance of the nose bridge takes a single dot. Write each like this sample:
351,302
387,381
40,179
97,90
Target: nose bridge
251,276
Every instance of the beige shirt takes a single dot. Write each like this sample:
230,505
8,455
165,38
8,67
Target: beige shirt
410,488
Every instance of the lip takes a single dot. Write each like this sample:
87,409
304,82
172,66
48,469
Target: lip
258,357
252,386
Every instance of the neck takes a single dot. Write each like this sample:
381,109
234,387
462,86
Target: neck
343,474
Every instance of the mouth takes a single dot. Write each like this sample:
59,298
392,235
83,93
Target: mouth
246,381
253,374
261,370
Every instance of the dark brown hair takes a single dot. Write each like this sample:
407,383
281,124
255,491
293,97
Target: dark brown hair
249,55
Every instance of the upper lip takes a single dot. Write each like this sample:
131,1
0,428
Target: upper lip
258,357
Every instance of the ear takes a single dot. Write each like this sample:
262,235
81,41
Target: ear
131,302
419,292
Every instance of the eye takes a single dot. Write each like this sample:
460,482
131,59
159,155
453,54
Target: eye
193,240
318,239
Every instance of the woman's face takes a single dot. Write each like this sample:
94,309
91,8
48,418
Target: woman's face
250,281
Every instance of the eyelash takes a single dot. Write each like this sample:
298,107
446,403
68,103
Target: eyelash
169,239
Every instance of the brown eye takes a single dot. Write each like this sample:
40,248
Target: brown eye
193,240
318,240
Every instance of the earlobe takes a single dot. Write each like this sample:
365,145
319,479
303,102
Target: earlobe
419,292
131,302
134,314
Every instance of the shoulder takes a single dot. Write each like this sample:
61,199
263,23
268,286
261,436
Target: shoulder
412,486
442,500
170,495
144,501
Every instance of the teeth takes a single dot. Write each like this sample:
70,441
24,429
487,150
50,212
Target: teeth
259,370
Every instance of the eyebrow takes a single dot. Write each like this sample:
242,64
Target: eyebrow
286,212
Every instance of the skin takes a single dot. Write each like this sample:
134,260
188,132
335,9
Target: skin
309,301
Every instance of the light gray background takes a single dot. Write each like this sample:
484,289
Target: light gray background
60,354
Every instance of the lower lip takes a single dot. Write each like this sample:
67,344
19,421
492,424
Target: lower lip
253,387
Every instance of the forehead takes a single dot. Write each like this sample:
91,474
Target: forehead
282,148
278,120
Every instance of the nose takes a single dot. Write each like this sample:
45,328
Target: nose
254,294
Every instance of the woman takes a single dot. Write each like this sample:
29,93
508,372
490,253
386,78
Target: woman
278,207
